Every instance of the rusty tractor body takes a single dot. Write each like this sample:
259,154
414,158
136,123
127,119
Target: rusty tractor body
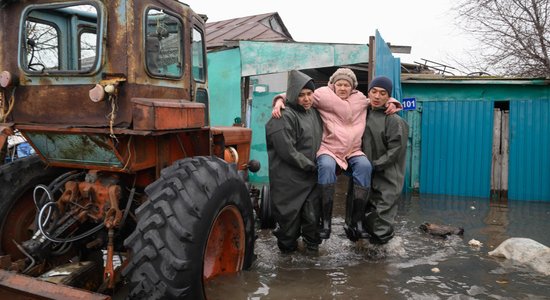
129,181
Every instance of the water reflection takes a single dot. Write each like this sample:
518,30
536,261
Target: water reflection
413,265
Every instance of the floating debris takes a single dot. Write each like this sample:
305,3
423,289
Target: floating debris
525,251
475,243
441,230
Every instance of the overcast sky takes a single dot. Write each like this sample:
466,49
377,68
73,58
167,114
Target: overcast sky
428,25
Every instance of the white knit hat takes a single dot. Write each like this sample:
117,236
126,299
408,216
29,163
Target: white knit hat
346,74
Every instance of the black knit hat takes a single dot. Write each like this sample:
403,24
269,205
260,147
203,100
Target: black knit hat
310,85
381,82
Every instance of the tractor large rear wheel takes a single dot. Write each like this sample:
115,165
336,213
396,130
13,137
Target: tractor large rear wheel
196,224
17,209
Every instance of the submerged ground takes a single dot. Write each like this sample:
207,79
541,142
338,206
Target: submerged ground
413,266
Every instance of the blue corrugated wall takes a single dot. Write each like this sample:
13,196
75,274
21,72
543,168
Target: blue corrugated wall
456,148
387,65
529,167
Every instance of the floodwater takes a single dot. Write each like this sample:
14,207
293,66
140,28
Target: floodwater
414,265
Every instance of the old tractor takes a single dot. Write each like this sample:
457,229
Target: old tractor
130,185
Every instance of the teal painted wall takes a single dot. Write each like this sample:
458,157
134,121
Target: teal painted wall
530,150
456,143
529,136
273,57
224,86
260,114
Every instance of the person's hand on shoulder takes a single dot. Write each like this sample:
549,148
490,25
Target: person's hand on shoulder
278,105
393,106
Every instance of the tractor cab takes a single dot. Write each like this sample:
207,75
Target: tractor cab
113,98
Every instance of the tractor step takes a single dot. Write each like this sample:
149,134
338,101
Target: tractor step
15,286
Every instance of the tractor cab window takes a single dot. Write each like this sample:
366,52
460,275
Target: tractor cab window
87,49
163,44
198,56
42,46
60,38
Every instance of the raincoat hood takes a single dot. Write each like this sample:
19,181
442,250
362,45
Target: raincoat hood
296,82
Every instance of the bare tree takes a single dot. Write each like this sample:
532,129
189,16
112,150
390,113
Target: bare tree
515,34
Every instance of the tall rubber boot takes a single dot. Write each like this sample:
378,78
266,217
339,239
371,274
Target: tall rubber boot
327,196
349,226
360,201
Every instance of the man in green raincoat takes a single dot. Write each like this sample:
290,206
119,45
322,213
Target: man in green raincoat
385,144
292,143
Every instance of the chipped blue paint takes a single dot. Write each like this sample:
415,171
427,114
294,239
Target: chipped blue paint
67,78
121,12
273,57
74,148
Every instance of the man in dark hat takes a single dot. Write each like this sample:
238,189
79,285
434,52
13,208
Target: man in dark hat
292,142
385,144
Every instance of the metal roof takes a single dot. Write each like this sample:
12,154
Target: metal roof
263,27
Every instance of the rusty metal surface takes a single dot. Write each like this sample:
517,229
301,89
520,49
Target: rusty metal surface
50,100
88,149
55,113
14,286
134,150
162,114
245,28
5,132
239,138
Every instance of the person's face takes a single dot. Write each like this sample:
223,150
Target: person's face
305,98
378,97
342,88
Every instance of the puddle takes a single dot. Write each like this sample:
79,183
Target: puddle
414,265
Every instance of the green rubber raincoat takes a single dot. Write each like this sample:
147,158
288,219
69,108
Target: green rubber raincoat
385,144
292,142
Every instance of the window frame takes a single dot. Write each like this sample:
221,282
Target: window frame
181,44
100,30
203,51
83,29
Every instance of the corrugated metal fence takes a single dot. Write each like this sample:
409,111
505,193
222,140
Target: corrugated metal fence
530,150
456,148
469,134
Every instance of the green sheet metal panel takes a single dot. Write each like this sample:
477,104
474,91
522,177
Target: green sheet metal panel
261,113
456,148
412,171
88,149
529,168
274,57
224,85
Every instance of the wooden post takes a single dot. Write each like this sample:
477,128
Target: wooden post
499,164
505,136
496,164
372,49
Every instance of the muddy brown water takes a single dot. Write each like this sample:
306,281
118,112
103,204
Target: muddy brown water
413,265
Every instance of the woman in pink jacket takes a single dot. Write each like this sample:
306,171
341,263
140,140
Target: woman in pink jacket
343,110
